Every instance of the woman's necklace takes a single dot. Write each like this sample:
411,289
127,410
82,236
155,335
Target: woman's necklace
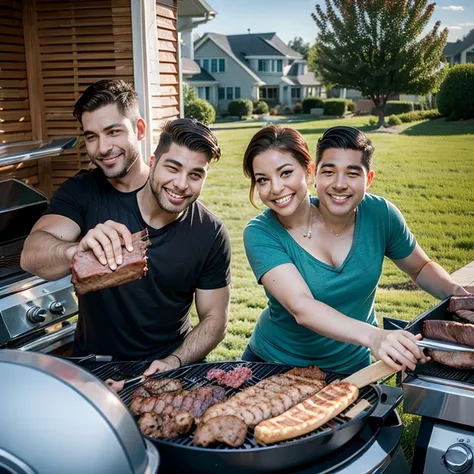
336,234
306,234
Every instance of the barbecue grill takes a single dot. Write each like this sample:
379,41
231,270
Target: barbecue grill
444,397
33,312
366,443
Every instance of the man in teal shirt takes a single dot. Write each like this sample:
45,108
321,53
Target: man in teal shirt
320,259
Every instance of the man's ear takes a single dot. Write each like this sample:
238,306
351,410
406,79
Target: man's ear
310,173
151,161
370,178
141,129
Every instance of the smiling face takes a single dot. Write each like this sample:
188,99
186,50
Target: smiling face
281,181
341,180
177,178
112,142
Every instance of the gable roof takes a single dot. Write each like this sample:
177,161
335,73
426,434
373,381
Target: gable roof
451,49
202,76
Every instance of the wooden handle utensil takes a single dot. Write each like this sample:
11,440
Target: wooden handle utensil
370,374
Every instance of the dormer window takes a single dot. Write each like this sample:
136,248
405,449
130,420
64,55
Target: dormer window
270,65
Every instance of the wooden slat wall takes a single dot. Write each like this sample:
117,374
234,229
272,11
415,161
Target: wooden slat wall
165,98
80,42
15,121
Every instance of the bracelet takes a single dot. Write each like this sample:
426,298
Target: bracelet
179,360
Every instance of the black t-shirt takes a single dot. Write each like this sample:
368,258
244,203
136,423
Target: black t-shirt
150,316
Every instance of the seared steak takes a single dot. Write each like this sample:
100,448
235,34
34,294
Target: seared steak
88,274
227,429
465,315
461,302
449,331
459,360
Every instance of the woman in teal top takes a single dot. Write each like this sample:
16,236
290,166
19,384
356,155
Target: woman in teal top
320,259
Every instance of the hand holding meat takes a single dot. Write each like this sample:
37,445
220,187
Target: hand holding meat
163,365
105,242
398,349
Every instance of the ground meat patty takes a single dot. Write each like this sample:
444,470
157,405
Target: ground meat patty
226,429
459,360
234,378
312,372
461,302
449,331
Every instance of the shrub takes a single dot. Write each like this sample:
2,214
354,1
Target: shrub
395,107
419,115
335,107
456,95
260,107
273,111
350,105
297,109
189,94
200,110
394,120
312,103
240,107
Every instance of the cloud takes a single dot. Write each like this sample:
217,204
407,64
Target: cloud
466,25
453,8
454,27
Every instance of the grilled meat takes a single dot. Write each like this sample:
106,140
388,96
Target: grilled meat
234,378
165,426
458,360
195,402
461,302
449,331
311,372
88,274
308,415
156,387
141,392
465,315
226,429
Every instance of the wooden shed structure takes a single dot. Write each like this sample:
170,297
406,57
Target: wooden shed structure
51,50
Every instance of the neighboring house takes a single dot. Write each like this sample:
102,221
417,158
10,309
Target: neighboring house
256,66
460,52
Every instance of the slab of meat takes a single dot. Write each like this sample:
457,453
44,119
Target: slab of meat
195,402
88,274
459,360
308,415
226,429
158,386
449,331
461,302
165,426
466,315
234,378
311,372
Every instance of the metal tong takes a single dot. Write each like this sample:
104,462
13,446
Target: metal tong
444,346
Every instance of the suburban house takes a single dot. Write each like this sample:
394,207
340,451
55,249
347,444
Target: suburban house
460,52
257,66
51,50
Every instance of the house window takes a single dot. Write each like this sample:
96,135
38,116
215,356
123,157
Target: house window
263,65
205,64
221,65
269,93
230,93
279,65
221,93
270,65
204,93
214,65
296,93
237,93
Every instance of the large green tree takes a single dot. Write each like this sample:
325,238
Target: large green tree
378,48
299,46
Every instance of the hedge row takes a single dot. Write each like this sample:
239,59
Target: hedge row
336,107
414,116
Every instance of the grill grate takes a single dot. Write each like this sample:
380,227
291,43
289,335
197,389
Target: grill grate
194,376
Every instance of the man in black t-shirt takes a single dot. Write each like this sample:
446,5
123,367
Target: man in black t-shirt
189,259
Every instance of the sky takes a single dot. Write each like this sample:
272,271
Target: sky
292,18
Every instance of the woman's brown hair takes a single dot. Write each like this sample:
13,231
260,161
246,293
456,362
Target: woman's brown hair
287,140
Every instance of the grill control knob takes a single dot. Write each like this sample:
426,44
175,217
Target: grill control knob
36,314
56,307
458,458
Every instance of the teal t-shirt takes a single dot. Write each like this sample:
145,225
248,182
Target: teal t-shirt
380,230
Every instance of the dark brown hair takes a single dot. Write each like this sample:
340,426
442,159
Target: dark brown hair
348,138
106,92
286,140
191,134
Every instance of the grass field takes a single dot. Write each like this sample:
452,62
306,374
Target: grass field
427,171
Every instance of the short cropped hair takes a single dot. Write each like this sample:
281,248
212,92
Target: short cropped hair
287,140
348,138
191,134
106,92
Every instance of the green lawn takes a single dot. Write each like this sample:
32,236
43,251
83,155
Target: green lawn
427,171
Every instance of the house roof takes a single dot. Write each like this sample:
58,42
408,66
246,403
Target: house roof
195,8
202,76
188,66
451,49
308,79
